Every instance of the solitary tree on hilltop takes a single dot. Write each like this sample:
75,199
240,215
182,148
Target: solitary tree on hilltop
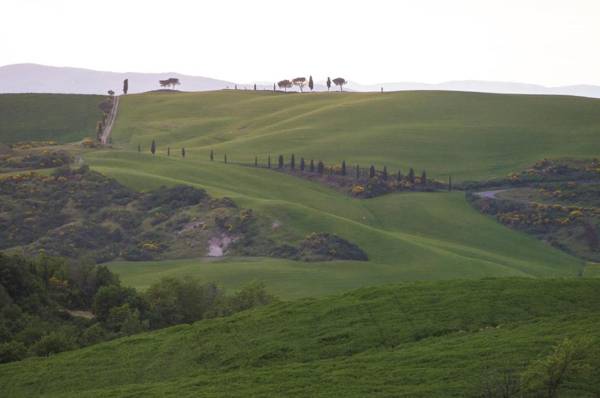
311,84
153,147
340,82
172,81
328,83
285,84
300,82
125,86
254,86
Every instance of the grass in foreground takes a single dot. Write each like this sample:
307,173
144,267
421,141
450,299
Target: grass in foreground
427,339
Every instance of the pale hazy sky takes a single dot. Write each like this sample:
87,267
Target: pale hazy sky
548,42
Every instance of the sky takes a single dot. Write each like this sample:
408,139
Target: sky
546,42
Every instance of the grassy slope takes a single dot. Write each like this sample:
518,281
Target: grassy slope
41,117
468,135
428,339
407,236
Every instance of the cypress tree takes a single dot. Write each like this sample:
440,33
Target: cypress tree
280,162
423,178
269,161
385,175
274,89
312,166
168,151
449,183
357,172
411,175
302,165
254,86
320,167
293,162
343,167
212,155
153,147
372,171
256,161
311,84
139,148
399,176
183,152
225,158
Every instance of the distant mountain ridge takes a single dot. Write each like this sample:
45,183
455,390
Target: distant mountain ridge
484,87
34,78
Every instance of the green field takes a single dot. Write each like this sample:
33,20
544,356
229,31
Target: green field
48,117
467,135
407,236
441,332
427,339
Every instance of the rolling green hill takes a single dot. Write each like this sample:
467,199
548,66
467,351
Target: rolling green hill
426,339
467,135
407,236
48,117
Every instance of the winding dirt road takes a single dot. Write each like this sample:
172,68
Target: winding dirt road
489,194
112,116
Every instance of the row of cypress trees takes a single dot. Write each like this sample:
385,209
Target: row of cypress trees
153,149
319,167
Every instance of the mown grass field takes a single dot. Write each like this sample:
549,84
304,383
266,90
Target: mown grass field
467,135
48,117
424,339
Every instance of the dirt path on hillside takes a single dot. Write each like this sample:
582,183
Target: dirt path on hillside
112,116
490,194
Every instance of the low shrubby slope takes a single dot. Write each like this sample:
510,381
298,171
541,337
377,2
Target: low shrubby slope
82,214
